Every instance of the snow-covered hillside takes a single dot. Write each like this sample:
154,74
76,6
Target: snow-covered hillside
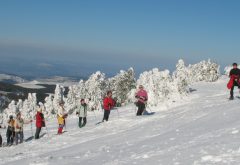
11,78
202,129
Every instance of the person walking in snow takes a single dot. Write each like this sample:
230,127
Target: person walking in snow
61,116
10,130
234,79
108,104
40,122
18,127
82,113
142,98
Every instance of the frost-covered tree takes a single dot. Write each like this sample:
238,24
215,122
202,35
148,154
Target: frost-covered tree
181,77
204,71
71,100
29,106
49,107
11,109
157,83
94,89
58,96
121,84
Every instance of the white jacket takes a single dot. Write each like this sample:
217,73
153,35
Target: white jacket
82,110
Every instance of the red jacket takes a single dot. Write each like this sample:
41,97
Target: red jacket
40,120
231,81
108,103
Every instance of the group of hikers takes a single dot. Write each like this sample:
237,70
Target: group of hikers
15,133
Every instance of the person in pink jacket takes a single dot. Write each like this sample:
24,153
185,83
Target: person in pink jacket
142,98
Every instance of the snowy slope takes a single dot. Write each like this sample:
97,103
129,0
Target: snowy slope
204,129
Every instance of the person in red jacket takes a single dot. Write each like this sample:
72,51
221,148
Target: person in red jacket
108,104
234,79
40,122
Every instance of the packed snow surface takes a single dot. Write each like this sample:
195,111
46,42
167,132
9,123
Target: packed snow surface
202,129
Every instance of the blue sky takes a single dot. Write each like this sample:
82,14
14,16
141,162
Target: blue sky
79,37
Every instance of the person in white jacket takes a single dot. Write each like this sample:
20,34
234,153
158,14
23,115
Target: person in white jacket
18,128
82,113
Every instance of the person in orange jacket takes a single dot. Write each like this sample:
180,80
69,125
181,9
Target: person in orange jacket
61,116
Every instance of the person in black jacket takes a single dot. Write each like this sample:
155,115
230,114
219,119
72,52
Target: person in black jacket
234,74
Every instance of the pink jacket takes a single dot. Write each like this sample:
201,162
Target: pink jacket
142,95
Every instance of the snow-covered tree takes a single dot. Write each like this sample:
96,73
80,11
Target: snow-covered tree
58,97
204,71
121,84
157,83
29,106
71,100
49,107
181,77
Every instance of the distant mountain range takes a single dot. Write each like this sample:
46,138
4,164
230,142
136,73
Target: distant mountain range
13,87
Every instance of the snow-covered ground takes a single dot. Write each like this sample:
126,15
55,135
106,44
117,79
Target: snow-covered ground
203,129
31,84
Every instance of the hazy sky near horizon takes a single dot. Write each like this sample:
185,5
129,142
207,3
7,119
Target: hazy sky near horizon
79,37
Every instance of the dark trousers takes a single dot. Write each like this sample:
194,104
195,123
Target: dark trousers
106,115
38,130
10,136
234,84
141,108
19,136
0,140
80,123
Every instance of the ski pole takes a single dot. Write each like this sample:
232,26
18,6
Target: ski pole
118,112
46,127
95,114
31,123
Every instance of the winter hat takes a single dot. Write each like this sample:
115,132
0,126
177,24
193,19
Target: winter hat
40,104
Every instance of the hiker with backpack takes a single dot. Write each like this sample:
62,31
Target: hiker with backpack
40,122
234,76
142,97
108,104
10,131
61,116
18,127
81,112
